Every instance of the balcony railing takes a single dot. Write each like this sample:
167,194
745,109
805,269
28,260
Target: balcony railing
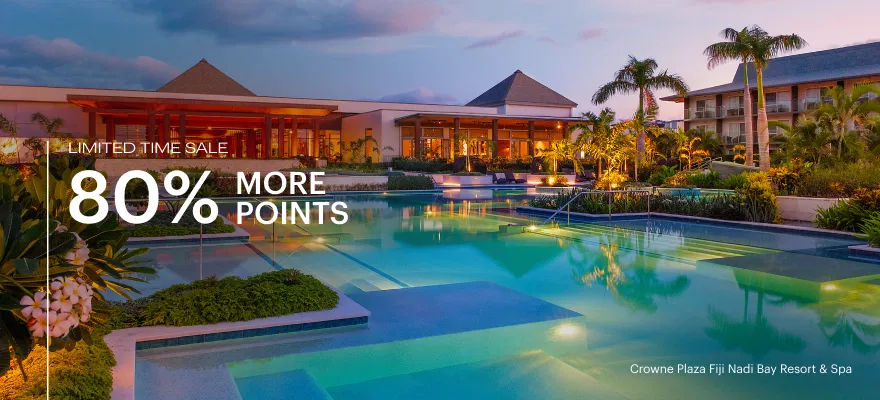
734,111
778,108
702,113
813,103
734,137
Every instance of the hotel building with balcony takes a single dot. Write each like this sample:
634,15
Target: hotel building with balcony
793,85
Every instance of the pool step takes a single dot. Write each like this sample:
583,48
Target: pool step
290,385
725,249
352,365
696,248
527,375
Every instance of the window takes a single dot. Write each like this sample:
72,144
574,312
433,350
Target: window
705,109
867,96
815,97
778,102
705,128
735,133
735,106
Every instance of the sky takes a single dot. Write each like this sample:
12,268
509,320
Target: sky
430,51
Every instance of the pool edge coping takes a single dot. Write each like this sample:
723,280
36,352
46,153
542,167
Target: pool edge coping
123,342
742,224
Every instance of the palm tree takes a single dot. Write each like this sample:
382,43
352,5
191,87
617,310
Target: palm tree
10,128
692,150
845,109
805,140
560,150
52,128
595,130
762,48
639,76
737,47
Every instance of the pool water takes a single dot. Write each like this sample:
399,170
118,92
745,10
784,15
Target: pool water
465,306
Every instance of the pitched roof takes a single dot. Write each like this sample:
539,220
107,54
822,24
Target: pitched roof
826,65
204,78
519,88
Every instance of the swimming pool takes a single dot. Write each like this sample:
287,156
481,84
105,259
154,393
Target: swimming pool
463,306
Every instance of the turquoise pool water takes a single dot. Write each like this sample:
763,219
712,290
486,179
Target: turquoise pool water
561,312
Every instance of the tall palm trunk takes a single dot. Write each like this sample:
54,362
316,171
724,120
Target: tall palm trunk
640,133
747,101
763,129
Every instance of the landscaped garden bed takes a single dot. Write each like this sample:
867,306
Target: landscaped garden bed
160,225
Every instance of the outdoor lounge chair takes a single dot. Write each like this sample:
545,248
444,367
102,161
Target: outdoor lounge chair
496,179
586,176
511,178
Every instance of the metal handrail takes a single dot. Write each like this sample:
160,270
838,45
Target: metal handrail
609,192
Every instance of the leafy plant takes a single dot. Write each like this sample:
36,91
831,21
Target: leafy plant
709,180
843,216
871,230
660,176
610,180
209,301
410,183
758,199
733,182
160,225
90,257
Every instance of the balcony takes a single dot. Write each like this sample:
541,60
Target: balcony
778,108
702,113
814,103
734,111
734,137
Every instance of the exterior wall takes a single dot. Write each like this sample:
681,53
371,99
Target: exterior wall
19,113
512,109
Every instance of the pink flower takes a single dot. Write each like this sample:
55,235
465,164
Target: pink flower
34,305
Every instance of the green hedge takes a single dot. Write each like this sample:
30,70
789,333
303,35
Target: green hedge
232,299
160,225
410,183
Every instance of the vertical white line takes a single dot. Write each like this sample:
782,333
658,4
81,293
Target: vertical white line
48,293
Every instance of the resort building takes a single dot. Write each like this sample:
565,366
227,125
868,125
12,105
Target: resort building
793,85
514,118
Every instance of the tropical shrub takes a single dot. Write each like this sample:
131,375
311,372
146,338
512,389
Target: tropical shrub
732,182
680,179
758,199
412,164
726,207
849,215
555,181
160,225
839,181
410,183
708,180
87,261
209,301
871,230
843,216
660,176
610,180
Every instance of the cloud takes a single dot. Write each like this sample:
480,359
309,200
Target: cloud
280,21
31,60
420,95
547,39
590,34
495,40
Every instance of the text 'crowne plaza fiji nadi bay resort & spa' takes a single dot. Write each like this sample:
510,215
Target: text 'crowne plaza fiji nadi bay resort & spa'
623,220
